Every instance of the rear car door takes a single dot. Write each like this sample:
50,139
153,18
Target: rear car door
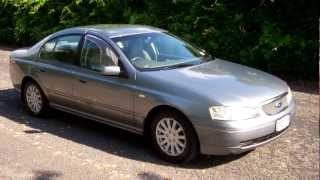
109,97
56,61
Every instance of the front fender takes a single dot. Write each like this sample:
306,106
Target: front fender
146,100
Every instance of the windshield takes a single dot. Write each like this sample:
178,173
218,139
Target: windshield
159,50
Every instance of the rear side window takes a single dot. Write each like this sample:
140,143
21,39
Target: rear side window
46,51
64,49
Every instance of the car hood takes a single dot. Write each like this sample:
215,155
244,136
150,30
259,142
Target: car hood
225,83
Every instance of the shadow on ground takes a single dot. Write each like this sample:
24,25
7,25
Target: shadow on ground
96,135
46,175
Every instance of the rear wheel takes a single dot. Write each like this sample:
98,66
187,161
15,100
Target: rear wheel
34,99
174,138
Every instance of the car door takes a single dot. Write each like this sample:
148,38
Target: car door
55,65
109,97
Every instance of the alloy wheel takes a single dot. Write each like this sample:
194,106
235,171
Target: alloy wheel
33,98
171,137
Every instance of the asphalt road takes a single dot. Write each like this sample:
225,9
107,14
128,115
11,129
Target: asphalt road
64,146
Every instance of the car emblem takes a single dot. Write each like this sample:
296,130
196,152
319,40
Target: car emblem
277,104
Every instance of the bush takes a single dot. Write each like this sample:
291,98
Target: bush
280,37
6,21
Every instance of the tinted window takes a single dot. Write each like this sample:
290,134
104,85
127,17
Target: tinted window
96,57
47,50
66,49
63,49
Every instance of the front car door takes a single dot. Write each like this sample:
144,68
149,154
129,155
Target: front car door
57,58
108,97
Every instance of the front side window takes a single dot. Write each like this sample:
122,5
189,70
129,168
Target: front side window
159,50
95,56
64,49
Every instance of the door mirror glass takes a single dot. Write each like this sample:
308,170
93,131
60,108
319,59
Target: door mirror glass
111,70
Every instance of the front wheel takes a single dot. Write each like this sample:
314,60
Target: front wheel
174,138
34,100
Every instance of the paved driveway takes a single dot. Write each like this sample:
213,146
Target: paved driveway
64,146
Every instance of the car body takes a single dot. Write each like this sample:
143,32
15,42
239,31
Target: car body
201,92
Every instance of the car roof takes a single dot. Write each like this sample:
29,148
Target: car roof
113,30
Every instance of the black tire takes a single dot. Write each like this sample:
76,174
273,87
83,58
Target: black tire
44,102
191,150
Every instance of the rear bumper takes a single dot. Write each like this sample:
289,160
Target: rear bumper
234,137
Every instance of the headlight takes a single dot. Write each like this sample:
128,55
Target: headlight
289,95
232,113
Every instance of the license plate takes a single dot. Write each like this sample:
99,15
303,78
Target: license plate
282,123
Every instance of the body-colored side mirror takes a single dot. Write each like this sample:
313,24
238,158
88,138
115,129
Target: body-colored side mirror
111,70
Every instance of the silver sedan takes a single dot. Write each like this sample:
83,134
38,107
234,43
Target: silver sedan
147,81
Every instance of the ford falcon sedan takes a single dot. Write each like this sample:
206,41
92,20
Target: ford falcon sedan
145,80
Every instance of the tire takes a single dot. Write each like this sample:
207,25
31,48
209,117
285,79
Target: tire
182,149
34,100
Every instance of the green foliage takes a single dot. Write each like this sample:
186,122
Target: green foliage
279,36
6,21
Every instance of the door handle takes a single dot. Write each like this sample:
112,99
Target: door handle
82,81
42,70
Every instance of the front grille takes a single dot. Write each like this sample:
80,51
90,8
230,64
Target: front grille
276,105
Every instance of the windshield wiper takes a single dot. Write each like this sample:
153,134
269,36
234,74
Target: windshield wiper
179,65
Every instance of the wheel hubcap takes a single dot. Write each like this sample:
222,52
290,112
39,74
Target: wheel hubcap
171,136
33,97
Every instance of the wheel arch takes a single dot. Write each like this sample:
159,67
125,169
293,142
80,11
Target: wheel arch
29,79
163,108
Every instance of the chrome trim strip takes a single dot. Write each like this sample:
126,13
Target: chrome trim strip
270,109
274,98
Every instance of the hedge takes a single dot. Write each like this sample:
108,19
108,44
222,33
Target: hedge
279,36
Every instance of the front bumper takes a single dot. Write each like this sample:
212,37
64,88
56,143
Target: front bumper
234,137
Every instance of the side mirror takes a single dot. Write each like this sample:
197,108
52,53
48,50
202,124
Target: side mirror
111,70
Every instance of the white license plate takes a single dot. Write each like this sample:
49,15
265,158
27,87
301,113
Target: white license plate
282,123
